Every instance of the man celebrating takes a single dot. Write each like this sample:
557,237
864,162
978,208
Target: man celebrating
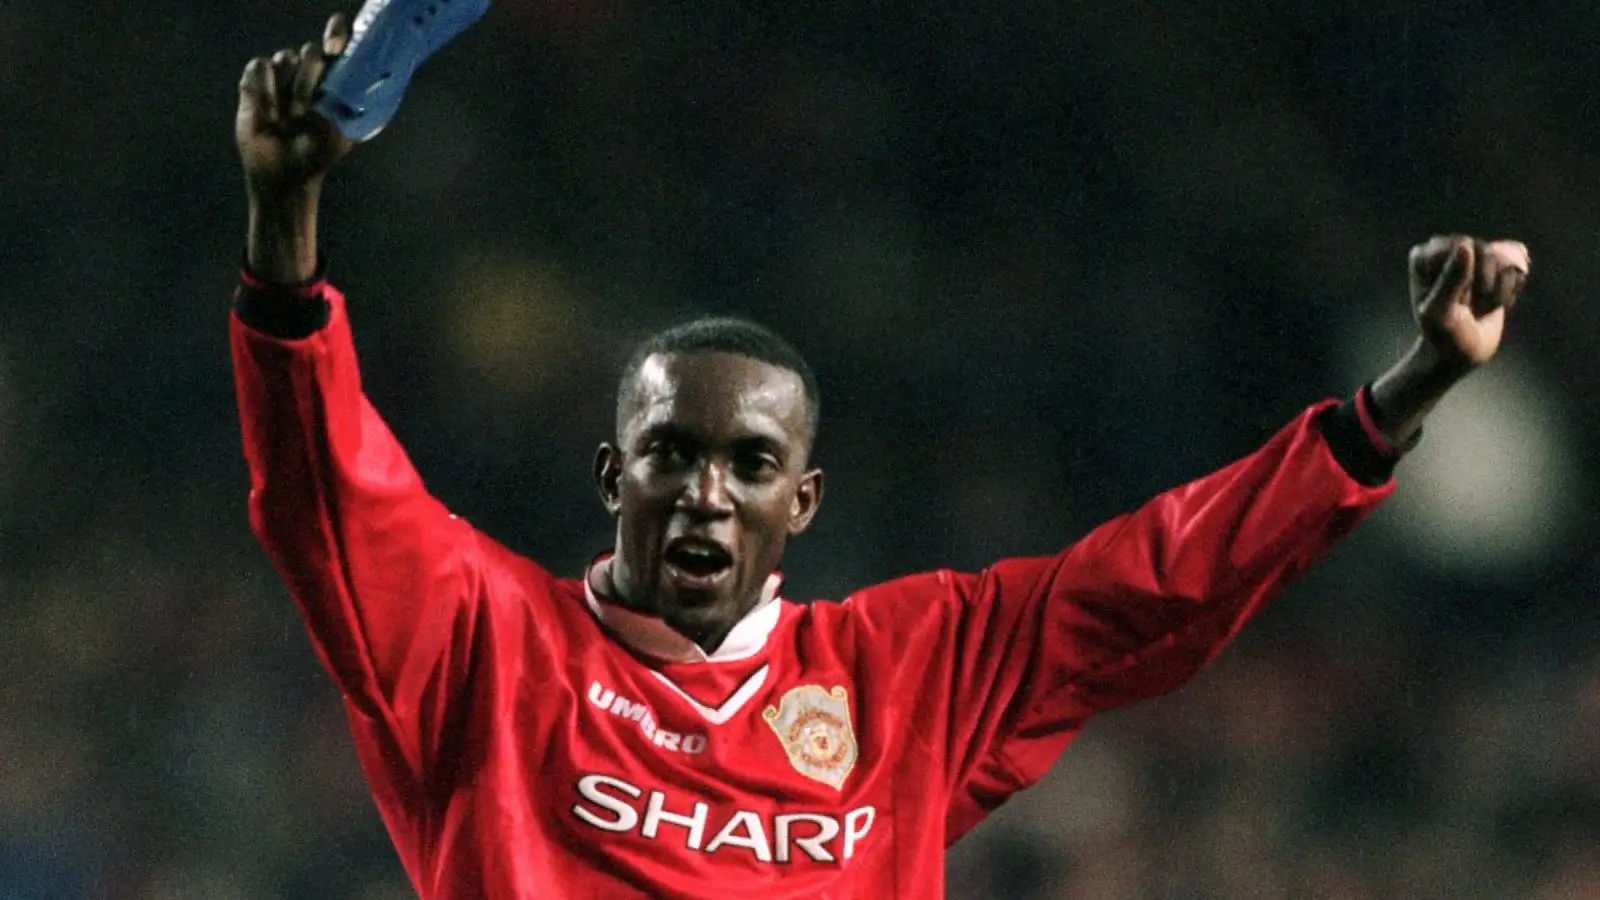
667,724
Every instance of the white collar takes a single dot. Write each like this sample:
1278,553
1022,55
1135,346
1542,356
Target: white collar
653,637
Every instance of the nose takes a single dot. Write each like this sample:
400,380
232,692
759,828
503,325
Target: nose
706,492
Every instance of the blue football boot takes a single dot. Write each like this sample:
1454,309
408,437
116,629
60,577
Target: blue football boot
388,42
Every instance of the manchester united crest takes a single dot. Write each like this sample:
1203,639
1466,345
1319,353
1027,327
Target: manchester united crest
814,727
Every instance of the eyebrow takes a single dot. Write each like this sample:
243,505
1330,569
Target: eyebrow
750,440
764,443
665,430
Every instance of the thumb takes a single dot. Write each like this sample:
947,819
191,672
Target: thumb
1453,284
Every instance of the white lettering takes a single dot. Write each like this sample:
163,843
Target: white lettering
656,813
629,710
633,711
626,817
813,845
600,696
754,836
611,804
857,822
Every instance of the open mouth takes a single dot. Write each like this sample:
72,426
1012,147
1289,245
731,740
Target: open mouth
698,562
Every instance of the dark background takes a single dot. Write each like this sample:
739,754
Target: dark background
1047,259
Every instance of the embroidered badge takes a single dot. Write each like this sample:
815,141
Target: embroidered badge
814,727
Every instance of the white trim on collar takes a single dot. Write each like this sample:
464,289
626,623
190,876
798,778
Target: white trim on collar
729,707
653,637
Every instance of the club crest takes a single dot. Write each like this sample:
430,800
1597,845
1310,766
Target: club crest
814,727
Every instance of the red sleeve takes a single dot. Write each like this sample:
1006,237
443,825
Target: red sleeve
1030,649
389,583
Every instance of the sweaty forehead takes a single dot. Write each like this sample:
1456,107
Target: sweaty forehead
718,394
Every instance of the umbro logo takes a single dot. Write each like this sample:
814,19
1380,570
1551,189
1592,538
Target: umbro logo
624,708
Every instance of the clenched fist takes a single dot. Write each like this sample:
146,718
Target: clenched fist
283,143
1462,288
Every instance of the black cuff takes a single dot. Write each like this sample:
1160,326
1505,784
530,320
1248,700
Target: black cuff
286,311
1353,446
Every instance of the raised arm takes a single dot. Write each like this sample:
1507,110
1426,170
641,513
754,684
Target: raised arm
388,582
1033,648
1139,605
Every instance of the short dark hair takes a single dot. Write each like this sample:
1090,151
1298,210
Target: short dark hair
723,334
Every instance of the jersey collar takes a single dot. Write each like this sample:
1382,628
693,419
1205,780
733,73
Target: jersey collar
649,635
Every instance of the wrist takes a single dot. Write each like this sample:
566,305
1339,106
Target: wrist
1404,395
1423,372
1431,364
281,244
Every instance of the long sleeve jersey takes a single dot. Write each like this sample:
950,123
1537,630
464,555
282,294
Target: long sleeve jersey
525,738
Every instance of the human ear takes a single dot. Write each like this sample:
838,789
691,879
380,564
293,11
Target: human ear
807,498
608,477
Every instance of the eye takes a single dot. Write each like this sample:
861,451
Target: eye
668,453
756,466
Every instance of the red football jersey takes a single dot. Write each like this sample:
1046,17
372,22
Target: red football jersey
526,739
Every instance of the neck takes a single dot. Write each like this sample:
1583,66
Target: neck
708,635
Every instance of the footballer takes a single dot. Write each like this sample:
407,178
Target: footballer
666,723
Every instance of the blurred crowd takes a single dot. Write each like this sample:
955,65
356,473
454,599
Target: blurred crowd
1047,259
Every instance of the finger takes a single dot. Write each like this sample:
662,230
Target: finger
1483,279
284,62
1508,287
253,84
1426,261
336,35
258,88
306,78
1502,267
1454,283
1513,254
1509,263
